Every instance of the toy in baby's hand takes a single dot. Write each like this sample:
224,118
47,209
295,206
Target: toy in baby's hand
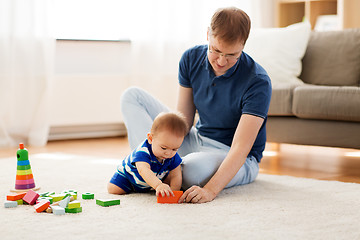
170,199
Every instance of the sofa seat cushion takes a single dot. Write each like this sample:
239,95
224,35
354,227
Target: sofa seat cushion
327,102
281,99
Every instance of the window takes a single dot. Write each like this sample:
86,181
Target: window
90,19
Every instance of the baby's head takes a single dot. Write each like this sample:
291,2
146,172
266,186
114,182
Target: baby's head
167,134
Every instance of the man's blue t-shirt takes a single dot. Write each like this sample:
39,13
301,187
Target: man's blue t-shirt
221,100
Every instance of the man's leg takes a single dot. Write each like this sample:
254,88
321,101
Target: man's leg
199,167
139,110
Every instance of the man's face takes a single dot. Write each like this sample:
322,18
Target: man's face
223,56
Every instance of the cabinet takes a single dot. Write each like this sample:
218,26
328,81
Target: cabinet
293,11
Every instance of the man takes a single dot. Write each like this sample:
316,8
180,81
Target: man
231,94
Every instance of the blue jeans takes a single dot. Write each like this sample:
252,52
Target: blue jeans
201,156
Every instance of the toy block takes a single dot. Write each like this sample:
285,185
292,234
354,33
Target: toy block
42,206
107,202
44,194
72,194
58,210
44,198
10,204
57,197
73,210
64,203
74,204
20,202
49,210
170,199
88,195
72,191
31,197
16,196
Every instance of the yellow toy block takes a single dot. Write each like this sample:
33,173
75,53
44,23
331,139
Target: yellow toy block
74,204
57,197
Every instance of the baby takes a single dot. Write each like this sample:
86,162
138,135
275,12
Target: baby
155,162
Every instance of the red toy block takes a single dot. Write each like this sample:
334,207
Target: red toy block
30,197
42,206
15,197
170,199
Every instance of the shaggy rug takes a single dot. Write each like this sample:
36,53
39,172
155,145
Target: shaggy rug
273,207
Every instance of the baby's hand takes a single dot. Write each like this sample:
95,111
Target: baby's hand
164,190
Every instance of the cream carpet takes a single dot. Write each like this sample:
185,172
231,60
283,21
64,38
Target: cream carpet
273,207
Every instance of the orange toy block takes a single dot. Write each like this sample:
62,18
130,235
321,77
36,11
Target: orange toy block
170,199
42,206
15,197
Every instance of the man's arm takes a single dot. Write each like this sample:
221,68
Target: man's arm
244,138
185,105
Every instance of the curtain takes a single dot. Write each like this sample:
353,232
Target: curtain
26,65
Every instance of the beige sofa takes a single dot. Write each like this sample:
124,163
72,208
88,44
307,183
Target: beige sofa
325,109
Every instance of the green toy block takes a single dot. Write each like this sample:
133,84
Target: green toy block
73,210
88,195
20,202
67,195
47,194
107,202
73,204
57,197
72,191
44,194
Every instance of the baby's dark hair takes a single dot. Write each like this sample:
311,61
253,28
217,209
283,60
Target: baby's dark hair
172,121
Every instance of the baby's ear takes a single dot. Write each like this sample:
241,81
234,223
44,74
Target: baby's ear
149,138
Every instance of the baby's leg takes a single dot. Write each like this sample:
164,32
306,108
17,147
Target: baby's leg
113,189
119,184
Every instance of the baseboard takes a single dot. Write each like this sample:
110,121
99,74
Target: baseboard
86,131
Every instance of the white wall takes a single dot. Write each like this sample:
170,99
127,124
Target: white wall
89,79
91,75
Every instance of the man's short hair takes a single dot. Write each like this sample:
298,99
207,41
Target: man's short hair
230,25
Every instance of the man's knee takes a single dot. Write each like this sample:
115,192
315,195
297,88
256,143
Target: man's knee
130,94
198,168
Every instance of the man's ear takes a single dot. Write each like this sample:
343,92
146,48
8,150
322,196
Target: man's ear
149,138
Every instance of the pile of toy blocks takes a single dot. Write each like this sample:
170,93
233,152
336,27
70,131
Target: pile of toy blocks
50,202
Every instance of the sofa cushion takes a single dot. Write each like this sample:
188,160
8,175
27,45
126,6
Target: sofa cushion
281,100
333,58
280,50
327,102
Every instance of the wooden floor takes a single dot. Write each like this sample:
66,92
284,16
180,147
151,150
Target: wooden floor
280,159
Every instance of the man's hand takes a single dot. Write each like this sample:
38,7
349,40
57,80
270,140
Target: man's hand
196,194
